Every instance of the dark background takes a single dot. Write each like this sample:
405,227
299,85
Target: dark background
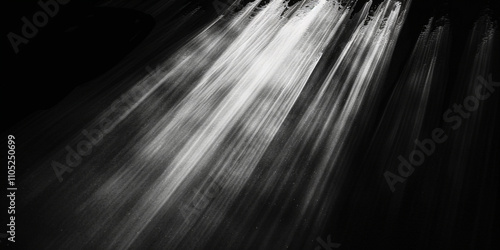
86,39
57,81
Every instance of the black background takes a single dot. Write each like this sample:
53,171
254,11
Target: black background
60,70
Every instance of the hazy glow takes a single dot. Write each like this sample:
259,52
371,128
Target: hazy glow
244,75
